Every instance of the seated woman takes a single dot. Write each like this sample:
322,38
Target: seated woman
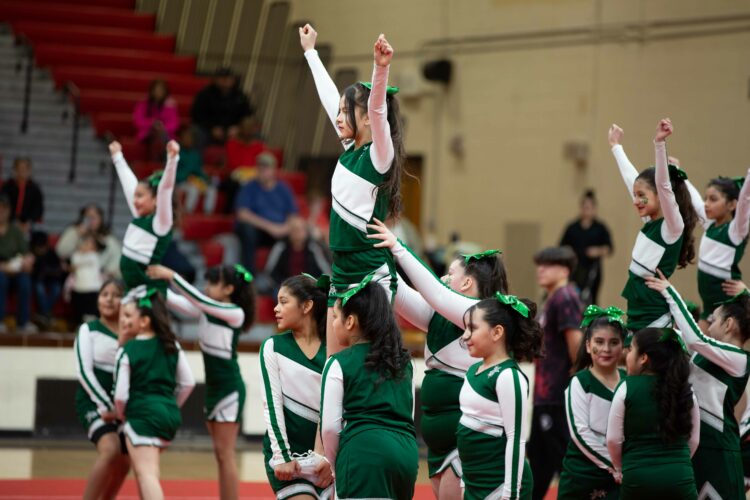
156,120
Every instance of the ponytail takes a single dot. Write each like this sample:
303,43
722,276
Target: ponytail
155,308
243,295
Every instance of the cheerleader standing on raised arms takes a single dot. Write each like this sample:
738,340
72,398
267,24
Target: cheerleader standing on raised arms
152,382
367,416
96,348
665,241
654,421
150,202
224,311
494,398
367,179
439,311
719,374
291,371
587,468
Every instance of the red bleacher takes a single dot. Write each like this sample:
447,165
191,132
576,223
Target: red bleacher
80,13
88,36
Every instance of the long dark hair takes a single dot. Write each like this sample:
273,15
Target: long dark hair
583,359
243,294
689,217
153,104
739,311
727,187
157,312
357,95
523,336
377,324
489,273
672,391
303,288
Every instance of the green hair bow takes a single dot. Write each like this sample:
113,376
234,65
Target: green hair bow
669,334
388,89
592,312
154,179
733,298
738,181
468,257
244,273
145,300
675,171
324,282
348,294
514,302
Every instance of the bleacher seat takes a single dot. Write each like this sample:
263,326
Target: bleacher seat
62,13
48,54
112,101
199,227
89,36
132,81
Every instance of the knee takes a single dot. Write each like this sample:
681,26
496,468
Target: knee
224,455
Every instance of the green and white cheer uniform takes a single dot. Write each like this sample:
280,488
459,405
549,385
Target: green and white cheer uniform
718,374
367,428
290,391
438,311
147,237
721,248
95,349
745,444
219,330
587,468
492,433
355,195
651,469
150,387
657,247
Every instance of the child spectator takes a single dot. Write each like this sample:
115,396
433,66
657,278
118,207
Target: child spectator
46,276
86,279
24,195
191,178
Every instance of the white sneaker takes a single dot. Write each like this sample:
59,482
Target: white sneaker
28,328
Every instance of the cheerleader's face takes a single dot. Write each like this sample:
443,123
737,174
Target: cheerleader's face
645,199
479,337
343,326
290,312
144,200
109,301
717,205
718,328
605,347
634,361
456,278
346,131
129,317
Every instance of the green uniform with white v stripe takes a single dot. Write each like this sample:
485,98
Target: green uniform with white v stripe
718,374
356,200
446,362
651,252
587,468
290,391
142,247
718,260
745,444
491,432
95,348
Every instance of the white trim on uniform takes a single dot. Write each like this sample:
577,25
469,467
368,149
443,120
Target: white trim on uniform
138,244
453,462
227,409
96,424
475,424
663,321
137,440
301,410
296,489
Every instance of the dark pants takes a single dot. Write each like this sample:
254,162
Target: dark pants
47,293
547,445
251,238
84,304
22,284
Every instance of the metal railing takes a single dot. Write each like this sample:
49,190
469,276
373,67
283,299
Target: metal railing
73,93
29,60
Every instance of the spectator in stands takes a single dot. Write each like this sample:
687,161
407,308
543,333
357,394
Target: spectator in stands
91,220
156,119
219,108
191,179
86,279
263,208
24,195
16,264
296,254
242,158
47,277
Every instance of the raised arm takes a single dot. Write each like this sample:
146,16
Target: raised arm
698,204
673,223
731,359
184,378
512,392
740,225
583,436
332,409
128,180
163,220
84,349
273,404
616,426
122,383
627,169
382,151
327,91
411,306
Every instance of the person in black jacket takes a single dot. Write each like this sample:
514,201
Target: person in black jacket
219,108
25,195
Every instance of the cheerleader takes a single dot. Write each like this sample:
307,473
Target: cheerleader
225,310
291,367
665,241
654,422
587,468
367,422
95,349
719,374
152,381
494,398
367,179
725,215
150,202
439,311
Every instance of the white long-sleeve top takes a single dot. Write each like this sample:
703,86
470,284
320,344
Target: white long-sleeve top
332,407
95,349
